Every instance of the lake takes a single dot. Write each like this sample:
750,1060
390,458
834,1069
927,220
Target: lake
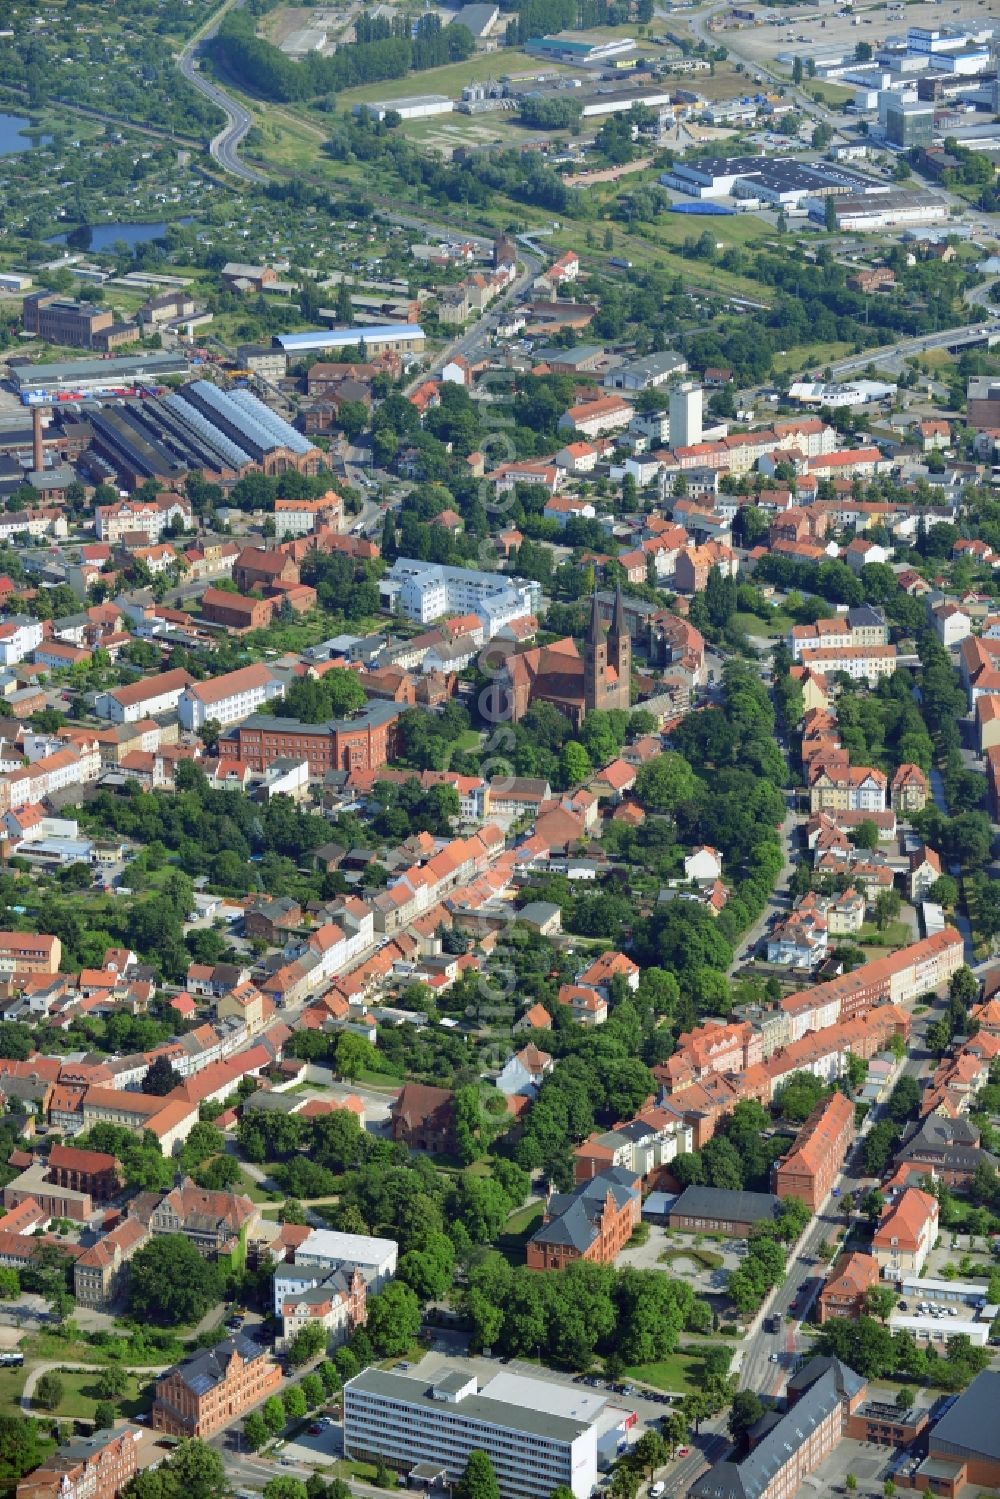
103,236
13,138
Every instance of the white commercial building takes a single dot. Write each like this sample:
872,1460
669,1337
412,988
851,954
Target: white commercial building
538,1435
685,416
229,698
416,107
375,1258
425,591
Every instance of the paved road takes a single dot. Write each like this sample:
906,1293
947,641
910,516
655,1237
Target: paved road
805,1273
961,337
224,147
778,901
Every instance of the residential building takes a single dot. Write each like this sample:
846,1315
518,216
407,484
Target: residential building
535,1438
29,952
905,1235
100,1275
813,1164
923,873
325,1248
423,1118
146,698
909,790
215,1222
951,624
896,979
213,1388
98,1466
851,1277
230,698
596,417
335,1301
593,1222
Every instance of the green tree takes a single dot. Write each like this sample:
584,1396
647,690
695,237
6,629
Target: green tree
650,1451
198,1470
747,1409
478,1480
294,1402
255,1431
105,1415
49,1391
393,1319
285,1487
171,1283
273,1413
879,1302
312,1389
112,1383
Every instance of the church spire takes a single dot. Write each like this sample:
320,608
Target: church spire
595,629
618,615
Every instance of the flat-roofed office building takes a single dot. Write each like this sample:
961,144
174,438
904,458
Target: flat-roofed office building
536,1435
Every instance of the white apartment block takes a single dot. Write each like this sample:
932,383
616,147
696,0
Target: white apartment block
18,638
67,767
425,591
146,698
300,517
229,698
524,1426
148,517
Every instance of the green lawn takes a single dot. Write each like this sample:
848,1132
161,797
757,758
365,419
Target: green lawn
707,1258
677,1373
11,1385
773,628
80,1395
896,934
525,1219
812,355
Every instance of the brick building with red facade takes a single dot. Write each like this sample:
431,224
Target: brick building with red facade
91,1171
594,1222
213,1388
810,1168
367,741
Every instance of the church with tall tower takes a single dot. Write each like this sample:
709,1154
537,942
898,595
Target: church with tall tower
607,659
576,685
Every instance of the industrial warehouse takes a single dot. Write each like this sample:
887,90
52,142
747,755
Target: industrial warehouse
223,433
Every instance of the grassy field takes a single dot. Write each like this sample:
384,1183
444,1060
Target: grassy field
677,1373
451,78
831,93
80,1396
812,356
11,1385
764,629
896,934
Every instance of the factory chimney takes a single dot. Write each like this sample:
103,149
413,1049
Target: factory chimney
38,446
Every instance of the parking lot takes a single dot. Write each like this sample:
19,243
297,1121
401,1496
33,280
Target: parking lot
321,1443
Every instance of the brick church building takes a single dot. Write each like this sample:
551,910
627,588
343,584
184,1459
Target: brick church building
558,675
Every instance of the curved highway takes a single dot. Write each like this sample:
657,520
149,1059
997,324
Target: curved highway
224,147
